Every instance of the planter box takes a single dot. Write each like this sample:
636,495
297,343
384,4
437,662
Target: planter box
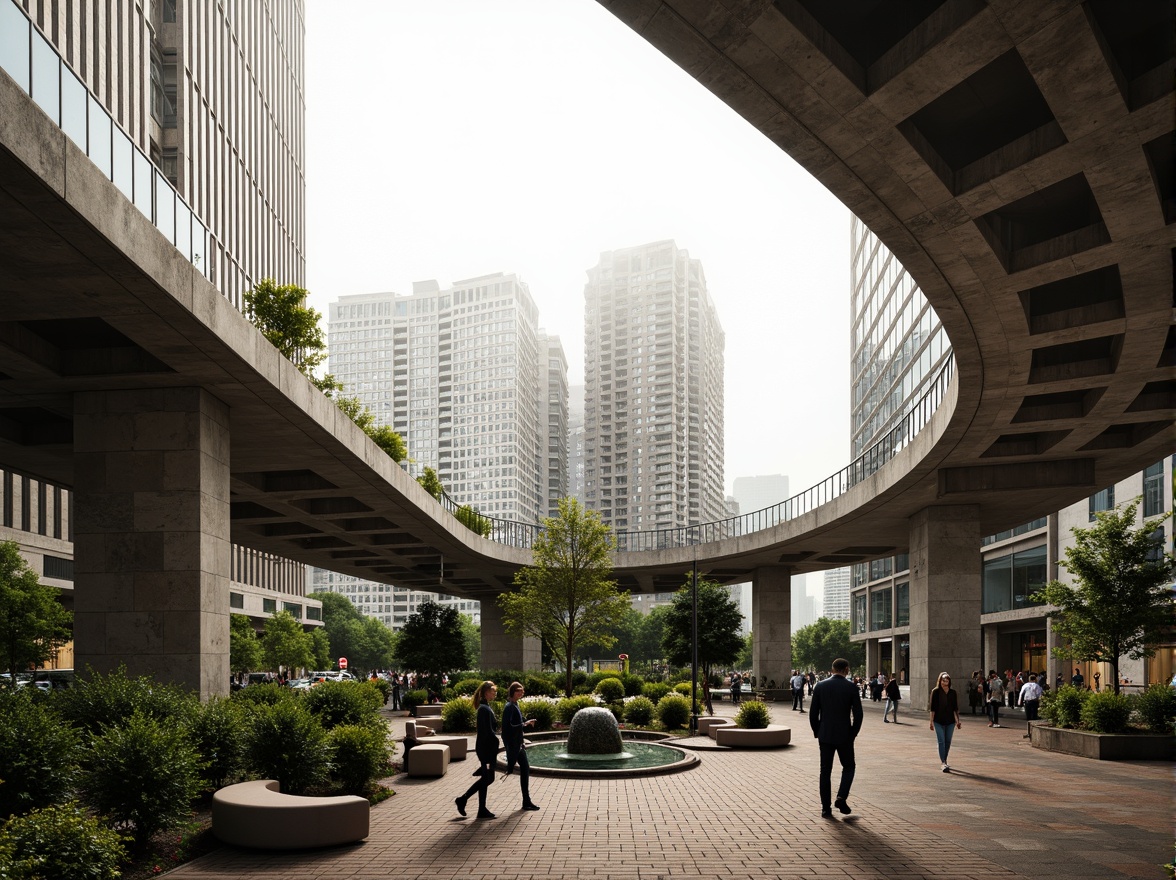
1103,746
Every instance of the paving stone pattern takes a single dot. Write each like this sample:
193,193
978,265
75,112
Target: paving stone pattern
1007,811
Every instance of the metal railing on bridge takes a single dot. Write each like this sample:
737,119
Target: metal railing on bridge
522,535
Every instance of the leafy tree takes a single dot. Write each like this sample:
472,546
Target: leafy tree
648,644
719,621
1121,602
746,658
383,436
354,409
379,643
286,644
245,651
431,483
292,327
321,648
473,520
817,645
365,641
33,623
567,597
471,634
432,640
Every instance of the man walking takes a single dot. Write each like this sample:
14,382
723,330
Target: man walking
836,717
1030,698
797,691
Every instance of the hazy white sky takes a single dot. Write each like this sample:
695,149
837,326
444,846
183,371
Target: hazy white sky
454,138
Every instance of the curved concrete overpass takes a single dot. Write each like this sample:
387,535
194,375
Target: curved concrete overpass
1017,160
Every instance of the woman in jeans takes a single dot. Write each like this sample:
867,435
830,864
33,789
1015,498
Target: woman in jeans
945,716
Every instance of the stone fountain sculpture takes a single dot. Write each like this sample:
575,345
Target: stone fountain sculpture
594,731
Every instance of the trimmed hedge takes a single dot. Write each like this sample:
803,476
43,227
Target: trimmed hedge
753,715
218,733
362,754
98,701
639,711
458,715
655,690
287,743
542,711
337,703
673,711
1156,708
611,689
1063,707
60,842
1106,712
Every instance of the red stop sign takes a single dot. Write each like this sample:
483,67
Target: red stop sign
342,662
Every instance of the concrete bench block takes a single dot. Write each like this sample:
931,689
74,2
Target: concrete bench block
431,710
772,736
433,724
257,814
429,759
707,723
715,725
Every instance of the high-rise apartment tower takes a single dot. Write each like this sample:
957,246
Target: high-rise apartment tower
653,366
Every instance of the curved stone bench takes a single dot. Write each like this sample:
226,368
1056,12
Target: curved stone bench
257,814
709,723
772,736
434,724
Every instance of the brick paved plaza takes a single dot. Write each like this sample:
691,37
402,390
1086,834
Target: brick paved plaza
1008,811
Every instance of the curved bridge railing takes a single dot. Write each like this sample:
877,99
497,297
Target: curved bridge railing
522,535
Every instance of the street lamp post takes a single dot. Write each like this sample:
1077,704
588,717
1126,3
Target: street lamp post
694,647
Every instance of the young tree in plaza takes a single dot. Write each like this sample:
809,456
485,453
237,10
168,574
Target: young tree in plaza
567,597
432,640
287,646
1121,602
719,622
817,645
33,623
245,651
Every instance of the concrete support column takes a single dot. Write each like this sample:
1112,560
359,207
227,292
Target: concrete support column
945,596
151,535
502,651
771,624
873,657
991,643
1054,665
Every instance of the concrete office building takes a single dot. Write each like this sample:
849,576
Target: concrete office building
836,598
213,101
391,605
899,348
653,401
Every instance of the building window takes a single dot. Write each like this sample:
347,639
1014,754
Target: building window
236,600
313,613
1153,490
880,617
902,611
294,608
269,606
1156,553
859,613
58,568
1100,501
1010,581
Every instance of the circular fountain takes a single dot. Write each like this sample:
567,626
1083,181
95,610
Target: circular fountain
594,747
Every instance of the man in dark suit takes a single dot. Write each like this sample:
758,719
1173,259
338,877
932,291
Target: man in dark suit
836,717
513,727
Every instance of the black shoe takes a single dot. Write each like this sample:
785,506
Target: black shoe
827,813
461,802
842,806
530,806
486,814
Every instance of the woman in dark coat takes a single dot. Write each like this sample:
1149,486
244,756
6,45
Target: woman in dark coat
486,748
945,715
976,691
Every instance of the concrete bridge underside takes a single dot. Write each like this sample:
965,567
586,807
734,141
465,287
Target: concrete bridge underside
1017,158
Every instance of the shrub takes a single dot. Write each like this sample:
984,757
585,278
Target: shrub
474,521
655,690
144,772
753,715
383,686
541,686
684,688
467,687
580,690
1156,708
264,694
285,742
1063,706
673,711
1106,712
541,710
459,714
597,677
579,676
60,842
618,710
335,703
411,699
566,708
639,711
633,685
38,755
361,755
102,700
611,689
218,733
